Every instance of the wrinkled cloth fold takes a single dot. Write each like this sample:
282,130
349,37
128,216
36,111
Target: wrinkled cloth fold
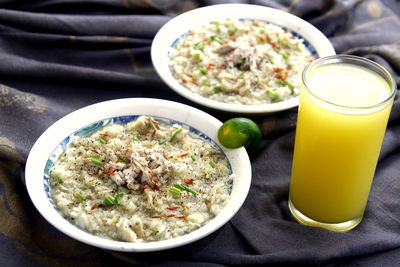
59,56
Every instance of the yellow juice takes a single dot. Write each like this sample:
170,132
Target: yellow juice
337,147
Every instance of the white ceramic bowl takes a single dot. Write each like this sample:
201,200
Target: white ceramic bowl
173,30
53,140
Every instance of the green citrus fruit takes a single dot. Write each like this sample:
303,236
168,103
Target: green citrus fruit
238,132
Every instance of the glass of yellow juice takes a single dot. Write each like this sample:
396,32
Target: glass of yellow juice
345,102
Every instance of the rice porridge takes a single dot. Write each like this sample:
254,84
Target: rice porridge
240,62
141,181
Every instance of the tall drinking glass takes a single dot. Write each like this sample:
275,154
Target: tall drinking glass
345,102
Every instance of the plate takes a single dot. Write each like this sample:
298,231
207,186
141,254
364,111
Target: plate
167,37
50,144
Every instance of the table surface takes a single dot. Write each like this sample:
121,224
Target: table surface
58,56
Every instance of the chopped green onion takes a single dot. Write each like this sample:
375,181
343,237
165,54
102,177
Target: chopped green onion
155,230
232,31
291,86
284,55
207,84
262,31
242,73
175,134
240,61
117,197
191,190
174,190
152,125
80,196
87,187
120,160
276,50
94,156
162,141
203,71
98,162
274,98
182,187
217,89
212,164
196,45
215,39
60,181
281,82
179,186
272,61
193,158
101,140
197,56
135,137
282,42
109,200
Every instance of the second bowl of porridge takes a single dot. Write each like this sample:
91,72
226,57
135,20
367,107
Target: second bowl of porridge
236,57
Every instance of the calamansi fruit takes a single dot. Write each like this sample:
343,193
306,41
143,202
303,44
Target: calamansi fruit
238,132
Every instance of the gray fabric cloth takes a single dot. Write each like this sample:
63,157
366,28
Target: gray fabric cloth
58,56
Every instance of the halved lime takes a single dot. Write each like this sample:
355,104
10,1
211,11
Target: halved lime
238,132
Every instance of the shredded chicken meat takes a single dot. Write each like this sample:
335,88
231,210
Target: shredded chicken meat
140,167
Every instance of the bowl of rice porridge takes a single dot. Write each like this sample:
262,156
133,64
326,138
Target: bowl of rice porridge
137,175
237,58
